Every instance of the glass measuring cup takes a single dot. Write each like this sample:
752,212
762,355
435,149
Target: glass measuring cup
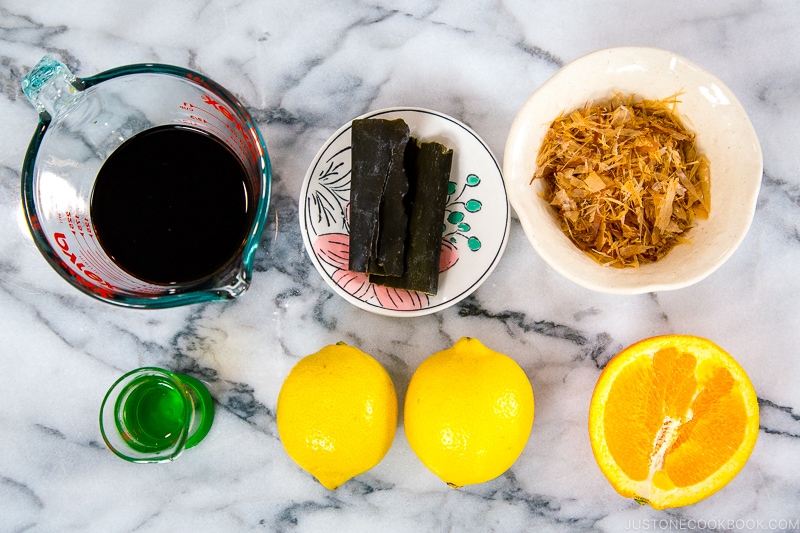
150,415
82,121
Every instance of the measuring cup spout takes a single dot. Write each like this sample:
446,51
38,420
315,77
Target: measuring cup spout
231,284
50,86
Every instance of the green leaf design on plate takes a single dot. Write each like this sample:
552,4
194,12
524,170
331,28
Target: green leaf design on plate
473,206
455,217
458,212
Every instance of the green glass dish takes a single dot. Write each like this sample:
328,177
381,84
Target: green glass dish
152,415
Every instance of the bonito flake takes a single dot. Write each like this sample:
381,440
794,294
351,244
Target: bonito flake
625,178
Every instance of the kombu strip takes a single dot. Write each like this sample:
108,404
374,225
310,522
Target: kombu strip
428,167
378,216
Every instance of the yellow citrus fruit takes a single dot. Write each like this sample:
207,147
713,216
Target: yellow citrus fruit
468,413
672,420
337,413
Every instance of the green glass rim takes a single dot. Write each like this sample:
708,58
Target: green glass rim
205,408
204,290
113,395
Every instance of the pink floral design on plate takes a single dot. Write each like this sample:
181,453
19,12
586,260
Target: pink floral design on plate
334,249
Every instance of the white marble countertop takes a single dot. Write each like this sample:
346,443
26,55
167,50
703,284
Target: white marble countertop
303,69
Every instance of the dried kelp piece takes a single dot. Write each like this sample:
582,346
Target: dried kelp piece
378,186
625,178
428,166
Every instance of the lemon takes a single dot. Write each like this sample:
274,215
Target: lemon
337,413
468,413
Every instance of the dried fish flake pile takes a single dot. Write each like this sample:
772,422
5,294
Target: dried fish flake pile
625,179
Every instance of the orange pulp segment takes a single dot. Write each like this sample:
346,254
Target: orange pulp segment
672,420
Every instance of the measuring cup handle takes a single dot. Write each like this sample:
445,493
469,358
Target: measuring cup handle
50,86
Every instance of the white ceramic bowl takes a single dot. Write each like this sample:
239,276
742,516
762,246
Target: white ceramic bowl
724,134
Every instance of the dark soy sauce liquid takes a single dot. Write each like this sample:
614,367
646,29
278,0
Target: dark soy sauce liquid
172,205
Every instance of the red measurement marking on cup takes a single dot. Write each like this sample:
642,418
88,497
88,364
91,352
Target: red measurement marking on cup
76,264
238,126
88,248
210,113
92,263
238,136
237,147
88,225
219,107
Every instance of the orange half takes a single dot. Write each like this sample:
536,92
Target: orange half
672,420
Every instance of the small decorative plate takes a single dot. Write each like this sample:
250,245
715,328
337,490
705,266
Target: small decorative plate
476,225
